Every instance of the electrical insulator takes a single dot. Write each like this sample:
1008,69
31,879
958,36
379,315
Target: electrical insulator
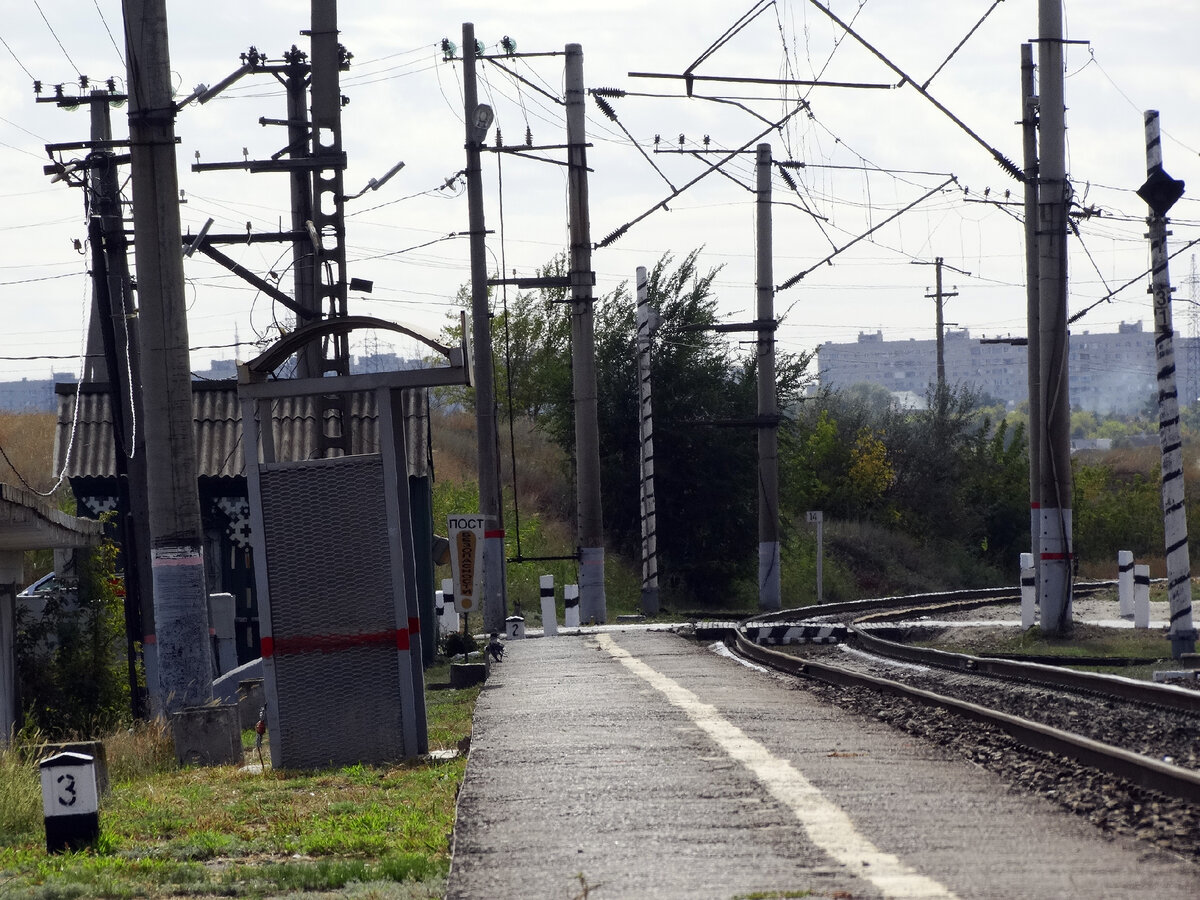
605,108
449,49
608,92
528,136
509,45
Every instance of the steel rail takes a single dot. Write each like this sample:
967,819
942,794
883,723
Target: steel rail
1133,767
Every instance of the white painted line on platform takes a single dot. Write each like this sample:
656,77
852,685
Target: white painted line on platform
827,825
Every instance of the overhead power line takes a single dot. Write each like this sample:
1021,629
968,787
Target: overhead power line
1007,164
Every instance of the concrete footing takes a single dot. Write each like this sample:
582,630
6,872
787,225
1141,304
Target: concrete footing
207,736
464,675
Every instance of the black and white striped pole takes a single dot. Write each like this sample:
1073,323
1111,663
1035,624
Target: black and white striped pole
645,326
70,801
1160,192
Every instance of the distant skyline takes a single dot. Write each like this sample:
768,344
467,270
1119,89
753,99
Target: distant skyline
867,153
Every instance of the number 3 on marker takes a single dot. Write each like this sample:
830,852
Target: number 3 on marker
69,789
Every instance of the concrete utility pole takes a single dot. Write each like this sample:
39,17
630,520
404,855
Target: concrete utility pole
645,327
176,544
768,409
1029,106
304,256
116,335
940,297
478,119
1055,541
1160,193
593,606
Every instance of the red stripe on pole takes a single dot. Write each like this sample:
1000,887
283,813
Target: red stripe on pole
332,643
498,533
414,625
1035,505
1055,556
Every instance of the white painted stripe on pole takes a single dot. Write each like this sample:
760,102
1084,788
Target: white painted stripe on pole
1125,582
827,825
549,615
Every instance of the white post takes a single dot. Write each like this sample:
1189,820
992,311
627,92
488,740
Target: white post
1125,583
450,612
514,627
1141,596
1028,591
549,616
570,606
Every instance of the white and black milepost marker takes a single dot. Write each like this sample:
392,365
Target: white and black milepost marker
70,801
549,615
514,627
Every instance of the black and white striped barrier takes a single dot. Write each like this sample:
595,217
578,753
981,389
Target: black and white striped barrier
549,615
795,633
570,606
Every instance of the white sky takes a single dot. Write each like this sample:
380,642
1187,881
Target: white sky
406,105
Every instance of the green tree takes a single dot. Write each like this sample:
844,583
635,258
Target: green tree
71,671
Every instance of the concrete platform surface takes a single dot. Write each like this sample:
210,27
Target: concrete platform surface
642,765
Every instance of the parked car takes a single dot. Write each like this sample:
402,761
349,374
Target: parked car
44,585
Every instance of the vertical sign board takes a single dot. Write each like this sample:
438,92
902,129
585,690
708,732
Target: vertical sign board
466,561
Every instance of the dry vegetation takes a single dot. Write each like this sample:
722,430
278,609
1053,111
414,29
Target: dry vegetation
28,442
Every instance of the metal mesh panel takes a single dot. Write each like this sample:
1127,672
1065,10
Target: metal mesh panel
332,615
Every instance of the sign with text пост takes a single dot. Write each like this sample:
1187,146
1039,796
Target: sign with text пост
466,560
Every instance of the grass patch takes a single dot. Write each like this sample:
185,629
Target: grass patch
379,831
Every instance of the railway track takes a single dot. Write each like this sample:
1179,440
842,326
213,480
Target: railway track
1125,754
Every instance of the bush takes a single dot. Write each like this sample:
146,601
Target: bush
71,671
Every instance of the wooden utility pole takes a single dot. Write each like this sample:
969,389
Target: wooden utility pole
176,543
478,117
1160,193
768,411
645,327
1054,191
593,607
1029,104
939,298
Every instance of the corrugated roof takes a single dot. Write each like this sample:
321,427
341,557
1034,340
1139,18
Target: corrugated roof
218,429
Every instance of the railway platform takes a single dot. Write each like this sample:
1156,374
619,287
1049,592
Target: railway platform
639,764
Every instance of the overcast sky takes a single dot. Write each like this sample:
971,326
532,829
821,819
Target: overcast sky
867,154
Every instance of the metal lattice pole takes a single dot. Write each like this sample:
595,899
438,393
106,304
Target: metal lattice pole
646,436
